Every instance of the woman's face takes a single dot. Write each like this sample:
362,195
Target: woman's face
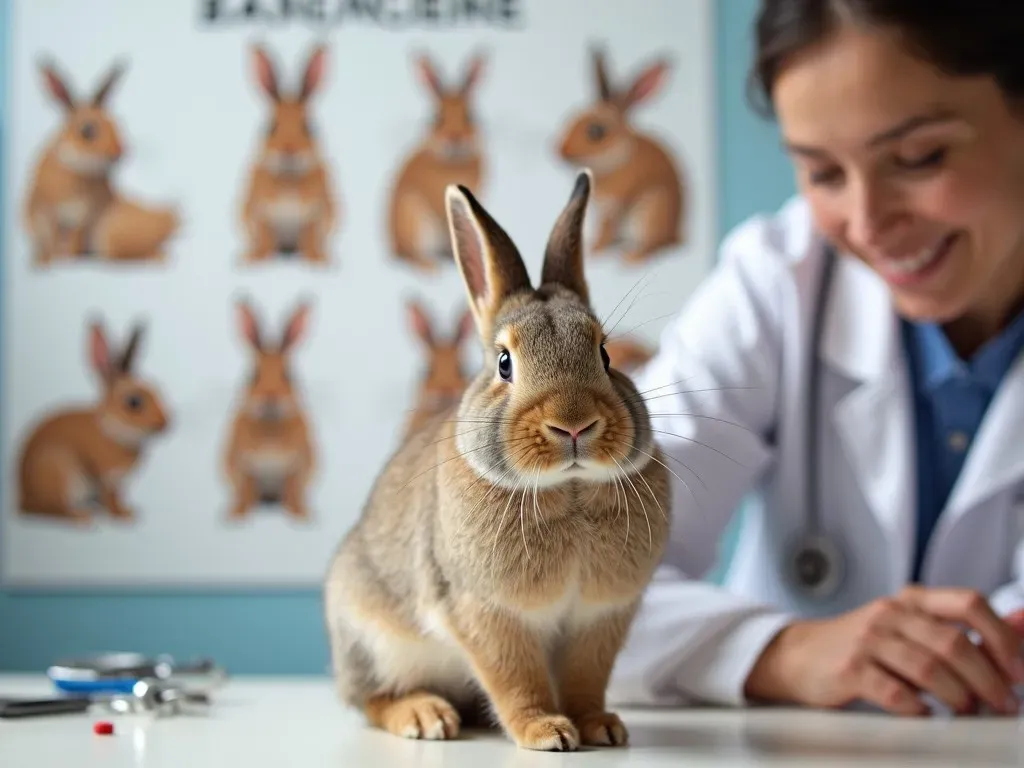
919,175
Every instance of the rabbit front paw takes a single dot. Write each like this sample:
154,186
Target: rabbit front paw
418,716
547,733
602,729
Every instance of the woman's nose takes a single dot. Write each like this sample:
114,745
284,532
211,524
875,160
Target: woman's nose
874,217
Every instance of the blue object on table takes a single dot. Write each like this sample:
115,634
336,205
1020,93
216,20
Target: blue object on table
119,672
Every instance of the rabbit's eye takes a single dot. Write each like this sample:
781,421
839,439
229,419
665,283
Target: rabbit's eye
133,402
505,365
605,359
87,131
595,131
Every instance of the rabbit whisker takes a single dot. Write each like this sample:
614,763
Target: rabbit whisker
660,386
695,391
654,496
654,458
645,322
705,445
494,487
459,456
704,416
608,333
643,507
522,526
624,297
501,524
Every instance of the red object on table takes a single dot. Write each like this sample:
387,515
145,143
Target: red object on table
103,727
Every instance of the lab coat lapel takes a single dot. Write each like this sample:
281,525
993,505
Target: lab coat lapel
861,341
996,457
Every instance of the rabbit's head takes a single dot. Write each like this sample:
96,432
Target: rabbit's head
289,143
454,134
270,392
130,410
551,408
444,378
601,136
90,142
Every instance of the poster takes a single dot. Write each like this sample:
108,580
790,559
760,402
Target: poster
228,290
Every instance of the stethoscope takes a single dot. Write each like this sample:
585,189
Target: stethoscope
816,566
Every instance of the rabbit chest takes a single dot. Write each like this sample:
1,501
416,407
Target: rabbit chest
289,212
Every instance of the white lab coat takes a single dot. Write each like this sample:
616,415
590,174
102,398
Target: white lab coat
741,347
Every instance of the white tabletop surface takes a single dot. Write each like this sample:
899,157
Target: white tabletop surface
285,722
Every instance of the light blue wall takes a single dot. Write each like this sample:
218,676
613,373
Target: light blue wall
281,631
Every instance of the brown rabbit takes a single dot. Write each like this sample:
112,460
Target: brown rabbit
80,456
627,354
72,191
504,548
270,457
449,153
638,190
444,379
289,207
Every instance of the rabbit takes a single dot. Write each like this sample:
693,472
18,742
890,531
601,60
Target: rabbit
639,192
77,457
72,191
504,547
628,355
270,457
289,205
449,153
444,379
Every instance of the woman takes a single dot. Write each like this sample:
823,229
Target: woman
905,122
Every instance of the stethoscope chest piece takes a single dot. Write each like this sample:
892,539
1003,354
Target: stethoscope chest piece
816,566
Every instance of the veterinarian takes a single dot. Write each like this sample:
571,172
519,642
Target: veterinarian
852,368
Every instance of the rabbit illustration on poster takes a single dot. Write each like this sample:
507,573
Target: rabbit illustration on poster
290,208
73,209
448,152
639,193
270,456
78,457
444,377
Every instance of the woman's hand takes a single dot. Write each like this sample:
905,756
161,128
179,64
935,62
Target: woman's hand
891,651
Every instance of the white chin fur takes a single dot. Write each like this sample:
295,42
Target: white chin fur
590,473
84,163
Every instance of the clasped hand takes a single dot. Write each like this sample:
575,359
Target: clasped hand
892,650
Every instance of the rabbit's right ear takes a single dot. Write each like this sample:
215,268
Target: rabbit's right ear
56,86
249,325
474,70
429,75
604,86
647,83
266,75
419,322
99,351
563,257
489,262
108,83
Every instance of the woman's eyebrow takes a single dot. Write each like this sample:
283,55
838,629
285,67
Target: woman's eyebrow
898,131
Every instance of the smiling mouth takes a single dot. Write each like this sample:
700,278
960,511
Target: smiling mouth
916,267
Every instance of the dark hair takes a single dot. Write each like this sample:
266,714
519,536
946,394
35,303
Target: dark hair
958,37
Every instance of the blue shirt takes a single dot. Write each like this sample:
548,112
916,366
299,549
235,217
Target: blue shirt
950,399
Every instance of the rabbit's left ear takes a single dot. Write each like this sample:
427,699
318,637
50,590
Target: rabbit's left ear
563,258
107,84
314,72
474,70
464,327
131,349
296,326
646,83
419,322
